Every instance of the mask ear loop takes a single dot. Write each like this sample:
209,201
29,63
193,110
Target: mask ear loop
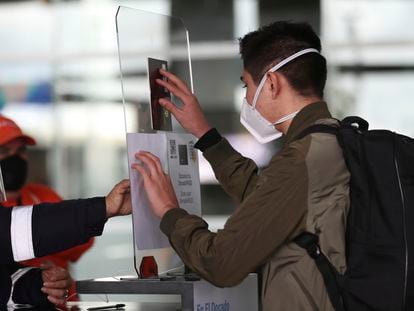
278,66
285,118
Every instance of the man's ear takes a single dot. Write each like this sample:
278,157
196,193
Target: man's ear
275,83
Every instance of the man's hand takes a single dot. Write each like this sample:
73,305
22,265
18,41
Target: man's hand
190,115
157,184
118,201
56,283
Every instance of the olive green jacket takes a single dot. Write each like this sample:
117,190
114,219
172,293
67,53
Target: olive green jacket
305,187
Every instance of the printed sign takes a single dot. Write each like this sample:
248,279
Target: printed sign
179,159
243,297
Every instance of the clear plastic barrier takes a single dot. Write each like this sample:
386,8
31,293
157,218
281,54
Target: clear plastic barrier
142,36
146,42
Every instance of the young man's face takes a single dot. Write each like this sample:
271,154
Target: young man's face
264,100
249,85
15,147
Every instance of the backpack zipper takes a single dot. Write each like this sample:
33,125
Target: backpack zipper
404,226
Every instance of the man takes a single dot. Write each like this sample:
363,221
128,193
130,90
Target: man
34,231
13,161
304,187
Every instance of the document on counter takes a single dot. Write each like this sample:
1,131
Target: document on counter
179,159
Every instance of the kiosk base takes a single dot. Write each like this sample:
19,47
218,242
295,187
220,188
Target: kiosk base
195,295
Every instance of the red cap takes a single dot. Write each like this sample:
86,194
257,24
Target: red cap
9,131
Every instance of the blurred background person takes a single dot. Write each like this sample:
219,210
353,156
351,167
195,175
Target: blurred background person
14,165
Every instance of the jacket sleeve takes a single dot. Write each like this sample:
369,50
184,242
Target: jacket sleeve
5,285
48,195
21,285
39,230
27,282
6,253
273,213
237,175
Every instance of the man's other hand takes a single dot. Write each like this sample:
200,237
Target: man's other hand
157,184
56,283
190,115
118,201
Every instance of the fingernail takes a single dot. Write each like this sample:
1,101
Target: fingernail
43,289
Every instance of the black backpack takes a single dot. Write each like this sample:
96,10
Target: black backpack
380,224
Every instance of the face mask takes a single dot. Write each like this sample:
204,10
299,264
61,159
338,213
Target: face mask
261,129
14,171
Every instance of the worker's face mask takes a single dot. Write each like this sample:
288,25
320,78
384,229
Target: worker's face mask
14,170
262,129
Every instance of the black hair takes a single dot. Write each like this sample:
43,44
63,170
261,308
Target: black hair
262,49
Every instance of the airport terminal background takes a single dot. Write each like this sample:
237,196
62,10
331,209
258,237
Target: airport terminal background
60,80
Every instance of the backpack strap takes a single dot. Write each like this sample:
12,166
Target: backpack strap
354,123
317,128
310,242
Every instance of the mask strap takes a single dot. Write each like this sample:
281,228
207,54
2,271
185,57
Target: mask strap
285,118
278,66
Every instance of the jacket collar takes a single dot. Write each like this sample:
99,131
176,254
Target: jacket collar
305,118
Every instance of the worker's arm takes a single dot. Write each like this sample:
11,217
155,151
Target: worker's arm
237,174
34,231
41,287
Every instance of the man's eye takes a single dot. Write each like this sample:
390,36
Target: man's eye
244,86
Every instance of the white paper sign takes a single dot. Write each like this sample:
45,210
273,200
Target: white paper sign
179,159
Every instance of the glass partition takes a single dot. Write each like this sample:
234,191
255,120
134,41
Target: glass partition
142,36
146,42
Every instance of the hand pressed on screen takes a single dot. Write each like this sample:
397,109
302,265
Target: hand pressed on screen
157,184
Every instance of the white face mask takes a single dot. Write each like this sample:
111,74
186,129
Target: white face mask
263,130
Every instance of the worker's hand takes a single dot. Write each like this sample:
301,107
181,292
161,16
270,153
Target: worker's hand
157,184
190,115
118,201
56,282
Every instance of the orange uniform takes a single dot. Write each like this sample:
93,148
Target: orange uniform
32,194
